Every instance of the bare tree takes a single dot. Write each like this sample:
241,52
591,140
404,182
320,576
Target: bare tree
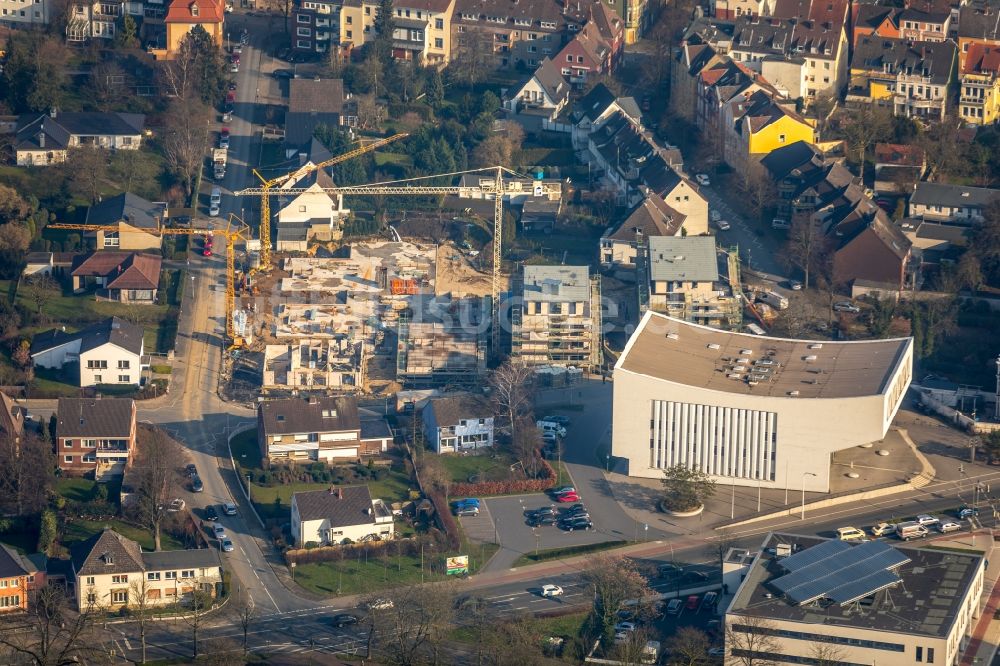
156,470
473,57
140,608
822,108
195,610
28,466
247,614
864,126
758,187
50,633
509,643
689,647
416,623
807,245
723,542
40,290
748,642
827,654
87,168
616,580
185,142
107,81
511,385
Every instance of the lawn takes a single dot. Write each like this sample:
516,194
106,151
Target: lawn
358,574
393,159
491,467
568,551
571,624
81,530
392,487
83,490
246,450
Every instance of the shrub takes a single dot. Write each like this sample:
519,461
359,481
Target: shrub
486,488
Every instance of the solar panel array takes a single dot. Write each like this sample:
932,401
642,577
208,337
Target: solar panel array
841,573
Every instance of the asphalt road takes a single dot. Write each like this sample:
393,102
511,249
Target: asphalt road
754,249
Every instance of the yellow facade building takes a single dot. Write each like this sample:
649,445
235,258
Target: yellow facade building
979,98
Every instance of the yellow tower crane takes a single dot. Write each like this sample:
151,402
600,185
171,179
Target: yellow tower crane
499,182
269,184
232,233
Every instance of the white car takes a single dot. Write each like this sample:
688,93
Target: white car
219,531
846,306
795,285
883,529
625,626
550,590
702,179
948,526
723,225
927,519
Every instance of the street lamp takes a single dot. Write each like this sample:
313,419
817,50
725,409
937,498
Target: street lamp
804,475
607,463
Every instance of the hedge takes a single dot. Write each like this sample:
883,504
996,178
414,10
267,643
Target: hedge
408,547
487,488
446,521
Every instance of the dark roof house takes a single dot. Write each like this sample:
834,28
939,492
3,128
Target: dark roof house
62,130
87,418
311,103
110,331
309,415
128,208
106,553
342,506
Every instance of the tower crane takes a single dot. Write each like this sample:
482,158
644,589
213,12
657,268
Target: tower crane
232,233
268,184
499,183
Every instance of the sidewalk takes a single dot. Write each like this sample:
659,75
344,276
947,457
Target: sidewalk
985,636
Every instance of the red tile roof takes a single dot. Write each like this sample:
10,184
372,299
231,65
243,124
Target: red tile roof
183,11
982,59
124,270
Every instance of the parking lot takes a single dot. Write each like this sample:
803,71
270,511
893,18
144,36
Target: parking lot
518,537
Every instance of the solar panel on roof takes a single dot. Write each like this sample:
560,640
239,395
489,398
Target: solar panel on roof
813,554
842,573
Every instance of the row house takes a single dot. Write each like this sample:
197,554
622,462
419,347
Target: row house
914,78
24,13
506,33
20,575
686,63
93,20
820,38
638,16
979,22
593,109
816,191
901,23
95,435
596,49
759,124
421,28
979,85
620,243
730,10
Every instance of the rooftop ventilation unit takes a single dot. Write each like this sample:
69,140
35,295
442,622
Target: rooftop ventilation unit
810,358
746,352
816,345
673,336
713,345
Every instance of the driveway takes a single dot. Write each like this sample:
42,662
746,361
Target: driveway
753,250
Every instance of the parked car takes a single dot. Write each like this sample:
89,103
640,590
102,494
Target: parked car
967,512
883,529
675,606
562,490
467,511
715,216
550,590
229,509
697,576
541,511
948,526
577,524
175,505
723,225
196,485
577,509
213,211
568,497
669,569
232,88
211,513
625,626
238,48
561,420
343,620
702,179
224,139
283,74
191,470
717,652
846,306
218,531
226,545
692,602
542,520
795,285
927,519
181,220
850,534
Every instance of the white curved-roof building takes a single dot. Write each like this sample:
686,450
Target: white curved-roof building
750,409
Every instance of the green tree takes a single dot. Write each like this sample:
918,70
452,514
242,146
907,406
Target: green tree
435,89
352,172
127,34
47,531
685,488
34,74
384,26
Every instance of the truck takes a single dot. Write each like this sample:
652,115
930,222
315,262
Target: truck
219,156
774,299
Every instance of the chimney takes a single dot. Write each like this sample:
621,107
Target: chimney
41,138
332,489
52,112
340,493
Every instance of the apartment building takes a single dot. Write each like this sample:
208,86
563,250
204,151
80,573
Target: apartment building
913,78
978,22
979,97
111,569
315,364
95,435
756,125
556,317
684,281
872,602
24,13
320,429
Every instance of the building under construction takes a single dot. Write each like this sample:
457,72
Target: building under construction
336,364
443,341
556,317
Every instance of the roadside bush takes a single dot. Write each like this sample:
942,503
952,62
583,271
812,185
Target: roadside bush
546,480
445,520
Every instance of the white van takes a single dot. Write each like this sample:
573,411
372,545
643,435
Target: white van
549,426
910,530
755,329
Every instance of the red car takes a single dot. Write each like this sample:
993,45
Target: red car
568,497
207,240
692,602
207,252
231,97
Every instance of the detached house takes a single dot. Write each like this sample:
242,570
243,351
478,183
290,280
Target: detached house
314,214
95,435
951,204
111,569
340,515
44,139
458,423
183,15
126,277
539,99
651,217
109,352
317,429
315,102
137,219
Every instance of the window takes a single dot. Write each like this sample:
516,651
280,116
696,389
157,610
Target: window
97,365
350,20
303,32
349,34
10,602
124,365
569,58
170,575
781,138
302,18
920,650
302,44
111,239
368,11
90,580
438,43
439,24
930,655
119,579
91,597
68,444
124,379
119,597
153,575
98,379
67,459
579,58
189,573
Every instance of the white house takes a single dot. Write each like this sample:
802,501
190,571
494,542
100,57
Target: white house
111,569
109,352
312,214
343,514
43,139
540,97
594,108
458,423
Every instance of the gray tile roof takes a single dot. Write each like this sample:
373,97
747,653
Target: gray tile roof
651,217
126,207
94,417
10,563
449,410
879,54
198,558
557,283
552,81
340,505
107,553
943,194
64,125
315,414
377,428
687,258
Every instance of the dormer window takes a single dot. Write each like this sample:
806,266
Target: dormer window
109,559
194,9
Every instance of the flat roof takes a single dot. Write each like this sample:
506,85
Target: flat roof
556,283
683,353
685,258
933,585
